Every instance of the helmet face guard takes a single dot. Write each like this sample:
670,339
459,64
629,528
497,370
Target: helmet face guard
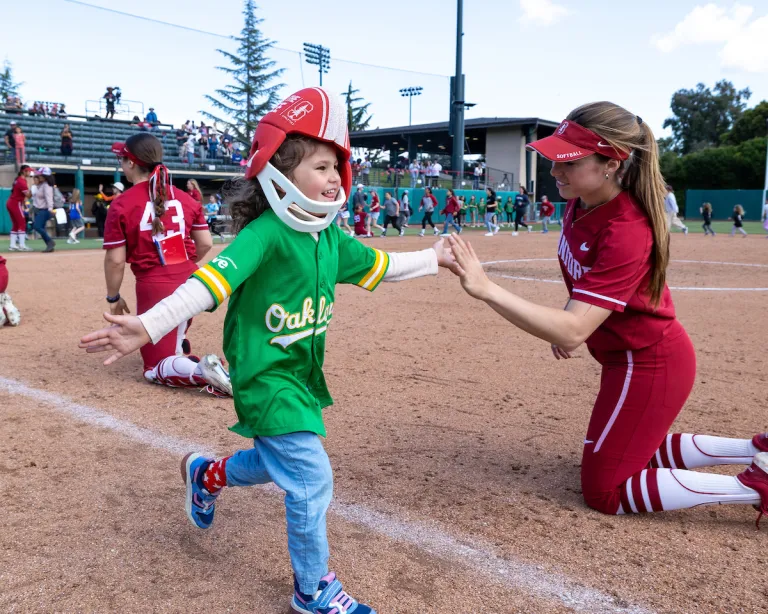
294,209
315,114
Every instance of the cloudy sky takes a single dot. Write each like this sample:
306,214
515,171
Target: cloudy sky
522,58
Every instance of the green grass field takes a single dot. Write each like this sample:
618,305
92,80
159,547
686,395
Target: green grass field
724,228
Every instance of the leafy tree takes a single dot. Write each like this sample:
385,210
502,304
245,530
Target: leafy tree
752,124
253,92
358,117
701,115
8,87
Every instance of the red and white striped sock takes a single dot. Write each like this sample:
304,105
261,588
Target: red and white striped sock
655,490
215,476
684,451
176,372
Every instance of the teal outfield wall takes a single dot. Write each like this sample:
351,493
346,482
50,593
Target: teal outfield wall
723,202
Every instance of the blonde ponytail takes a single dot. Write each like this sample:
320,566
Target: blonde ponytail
641,175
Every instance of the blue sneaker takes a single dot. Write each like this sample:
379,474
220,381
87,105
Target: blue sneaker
330,598
200,503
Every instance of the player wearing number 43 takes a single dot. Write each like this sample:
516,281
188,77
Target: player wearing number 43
613,253
161,231
279,275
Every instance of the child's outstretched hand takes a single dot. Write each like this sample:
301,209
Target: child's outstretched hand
473,278
127,334
445,258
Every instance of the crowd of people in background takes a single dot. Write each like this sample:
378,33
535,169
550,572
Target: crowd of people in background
459,212
13,104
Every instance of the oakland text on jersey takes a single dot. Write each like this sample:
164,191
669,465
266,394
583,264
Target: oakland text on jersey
278,318
574,267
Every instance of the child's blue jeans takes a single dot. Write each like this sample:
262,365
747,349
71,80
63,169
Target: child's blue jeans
298,464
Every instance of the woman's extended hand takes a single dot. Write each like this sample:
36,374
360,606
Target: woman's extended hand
473,278
559,352
127,334
445,258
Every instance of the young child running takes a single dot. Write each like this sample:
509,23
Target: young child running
372,221
162,233
75,216
428,205
738,221
280,274
613,253
8,312
706,215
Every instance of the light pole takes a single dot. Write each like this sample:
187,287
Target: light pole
457,157
319,56
410,92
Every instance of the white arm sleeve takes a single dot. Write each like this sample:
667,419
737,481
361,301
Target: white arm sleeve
409,265
189,300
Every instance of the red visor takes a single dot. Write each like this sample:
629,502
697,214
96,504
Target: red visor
121,151
573,142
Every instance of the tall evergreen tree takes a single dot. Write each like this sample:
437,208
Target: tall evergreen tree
358,117
8,87
253,93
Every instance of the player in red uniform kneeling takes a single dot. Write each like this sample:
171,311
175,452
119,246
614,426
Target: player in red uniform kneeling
162,233
613,253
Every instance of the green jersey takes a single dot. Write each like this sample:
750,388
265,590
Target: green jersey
281,289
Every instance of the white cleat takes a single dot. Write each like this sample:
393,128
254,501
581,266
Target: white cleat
488,234
9,311
215,374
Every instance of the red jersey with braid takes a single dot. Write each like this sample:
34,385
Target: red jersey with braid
129,224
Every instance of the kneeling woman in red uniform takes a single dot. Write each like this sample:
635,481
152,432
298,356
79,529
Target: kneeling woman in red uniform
162,233
613,253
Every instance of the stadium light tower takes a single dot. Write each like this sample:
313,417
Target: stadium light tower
319,56
410,92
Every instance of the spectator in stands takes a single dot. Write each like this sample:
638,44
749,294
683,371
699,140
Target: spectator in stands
181,142
213,145
413,169
193,189
203,130
110,98
189,149
118,94
63,111
436,170
151,117
189,127
75,216
67,142
10,142
237,155
478,173
202,146
54,110
43,203
355,165
365,170
20,144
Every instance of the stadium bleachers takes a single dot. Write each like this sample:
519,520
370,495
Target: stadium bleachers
92,142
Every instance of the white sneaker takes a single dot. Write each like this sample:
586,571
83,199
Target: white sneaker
76,240
446,234
25,248
421,234
488,234
8,311
215,374
514,233
530,229
685,230
437,232
70,241
496,230
14,248
383,234
402,233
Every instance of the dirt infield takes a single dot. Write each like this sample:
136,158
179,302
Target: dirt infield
455,442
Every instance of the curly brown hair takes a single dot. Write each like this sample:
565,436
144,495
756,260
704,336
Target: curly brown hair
246,198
